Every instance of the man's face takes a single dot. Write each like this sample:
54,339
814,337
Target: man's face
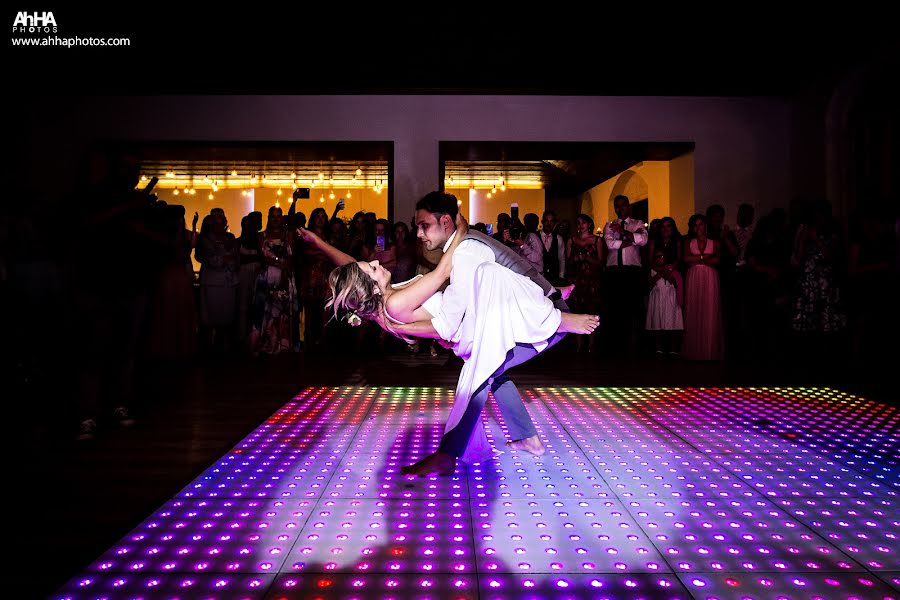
549,223
432,231
716,219
623,209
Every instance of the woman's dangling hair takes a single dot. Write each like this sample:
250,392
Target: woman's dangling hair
355,295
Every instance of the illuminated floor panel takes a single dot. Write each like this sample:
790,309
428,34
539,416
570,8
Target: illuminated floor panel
604,586
892,579
174,585
735,535
642,493
377,585
561,536
789,586
868,529
377,536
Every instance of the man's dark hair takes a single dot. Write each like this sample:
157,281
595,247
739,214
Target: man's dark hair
622,197
438,203
715,209
531,221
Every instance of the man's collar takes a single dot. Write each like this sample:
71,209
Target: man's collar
450,240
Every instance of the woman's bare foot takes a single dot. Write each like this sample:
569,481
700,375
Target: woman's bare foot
439,463
530,444
583,324
566,291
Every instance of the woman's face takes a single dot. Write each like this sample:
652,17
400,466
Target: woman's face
379,229
665,229
321,219
379,274
581,226
700,227
400,234
219,223
276,218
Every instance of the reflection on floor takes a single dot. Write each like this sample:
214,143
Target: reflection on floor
643,492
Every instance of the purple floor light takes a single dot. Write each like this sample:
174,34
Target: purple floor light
642,493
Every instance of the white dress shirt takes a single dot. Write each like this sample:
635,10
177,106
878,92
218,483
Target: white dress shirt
631,255
449,318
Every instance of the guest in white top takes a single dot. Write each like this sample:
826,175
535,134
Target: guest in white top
624,285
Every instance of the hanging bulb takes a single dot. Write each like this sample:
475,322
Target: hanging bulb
210,196
176,191
215,188
253,180
279,191
206,178
489,194
277,205
321,176
494,190
459,202
293,175
322,198
143,177
349,195
358,171
193,192
234,172
503,187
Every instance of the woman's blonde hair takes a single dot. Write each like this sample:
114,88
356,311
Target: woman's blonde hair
355,293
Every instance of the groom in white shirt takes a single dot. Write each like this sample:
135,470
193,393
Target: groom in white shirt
436,221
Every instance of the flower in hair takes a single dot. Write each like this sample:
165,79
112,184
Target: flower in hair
353,319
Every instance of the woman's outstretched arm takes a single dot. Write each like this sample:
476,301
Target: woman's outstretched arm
334,255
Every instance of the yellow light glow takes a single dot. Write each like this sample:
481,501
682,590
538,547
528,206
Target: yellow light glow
349,195
210,196
176,191
331,196
279,191
358,171
143,177
234,172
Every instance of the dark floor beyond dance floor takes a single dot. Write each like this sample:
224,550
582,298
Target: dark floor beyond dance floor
644,492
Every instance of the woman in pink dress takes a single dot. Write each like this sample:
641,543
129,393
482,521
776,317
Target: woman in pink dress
702,308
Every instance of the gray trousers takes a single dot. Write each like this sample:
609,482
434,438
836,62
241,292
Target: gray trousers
509,401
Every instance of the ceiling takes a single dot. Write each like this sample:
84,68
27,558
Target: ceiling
563,169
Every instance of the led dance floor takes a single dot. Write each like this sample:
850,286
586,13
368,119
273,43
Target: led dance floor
643,493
